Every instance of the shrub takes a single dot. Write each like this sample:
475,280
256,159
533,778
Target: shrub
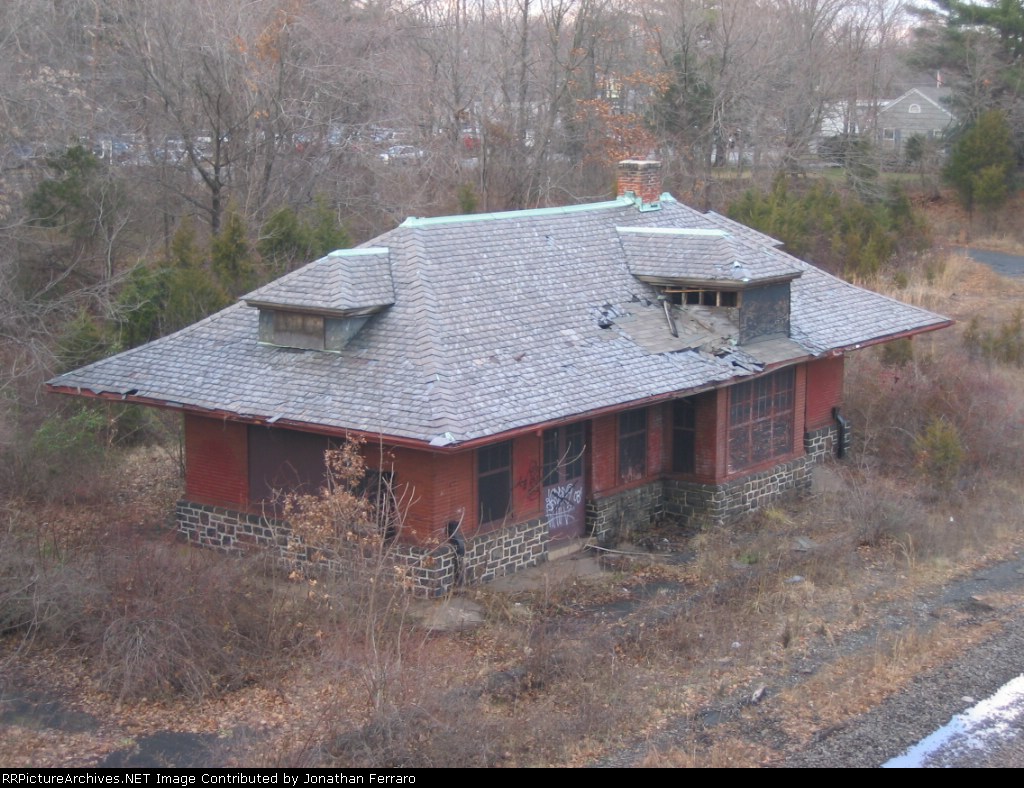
893,409
173,619
1004,345
940,452
898,353
841,232
66,452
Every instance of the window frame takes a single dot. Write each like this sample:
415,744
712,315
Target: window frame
298,330
555,466
684,436
493,478
698,296
632,445
761,420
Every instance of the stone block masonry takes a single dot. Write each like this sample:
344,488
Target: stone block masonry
618,515
427,572
824,443
719,503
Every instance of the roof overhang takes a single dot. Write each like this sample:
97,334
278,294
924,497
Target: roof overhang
716,284
312,310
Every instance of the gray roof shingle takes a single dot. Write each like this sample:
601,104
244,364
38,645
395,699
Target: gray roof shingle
495,322
343,282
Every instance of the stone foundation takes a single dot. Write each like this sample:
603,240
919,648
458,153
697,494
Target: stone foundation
719,503
427,572
823,444
616,516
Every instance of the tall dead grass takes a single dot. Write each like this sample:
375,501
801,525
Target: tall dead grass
149,616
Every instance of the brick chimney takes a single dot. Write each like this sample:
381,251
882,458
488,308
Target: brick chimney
642,179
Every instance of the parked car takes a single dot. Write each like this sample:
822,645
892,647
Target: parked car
401,154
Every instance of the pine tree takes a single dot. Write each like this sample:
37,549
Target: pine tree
981,165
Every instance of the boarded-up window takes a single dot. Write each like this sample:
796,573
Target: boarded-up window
292,329
494,481
284,461
765,312
632,445
761,419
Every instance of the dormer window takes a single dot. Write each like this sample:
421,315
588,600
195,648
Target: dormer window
746,287
293,329
305,331
324,304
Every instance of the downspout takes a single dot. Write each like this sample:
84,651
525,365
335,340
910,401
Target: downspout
458,543
842,431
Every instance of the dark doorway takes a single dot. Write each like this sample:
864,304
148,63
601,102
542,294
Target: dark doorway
565,499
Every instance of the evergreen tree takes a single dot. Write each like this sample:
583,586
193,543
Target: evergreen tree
840,232
230,259
159,300
288,240
982,163
978,48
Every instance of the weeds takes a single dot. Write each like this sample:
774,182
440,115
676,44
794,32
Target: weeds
1004,345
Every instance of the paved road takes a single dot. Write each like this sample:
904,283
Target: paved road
1002,264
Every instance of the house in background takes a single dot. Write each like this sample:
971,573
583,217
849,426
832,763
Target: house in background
532,377
923,111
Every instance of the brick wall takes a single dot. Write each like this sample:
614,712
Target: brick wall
414,480
824,391
435,565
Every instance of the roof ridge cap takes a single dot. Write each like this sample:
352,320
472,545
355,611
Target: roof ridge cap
415,222
443,405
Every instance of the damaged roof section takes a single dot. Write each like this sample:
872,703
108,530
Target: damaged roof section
710,332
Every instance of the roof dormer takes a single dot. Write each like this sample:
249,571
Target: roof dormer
321,306
711,268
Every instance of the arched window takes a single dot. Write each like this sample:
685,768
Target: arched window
915,109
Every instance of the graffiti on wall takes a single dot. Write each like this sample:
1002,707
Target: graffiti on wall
562,505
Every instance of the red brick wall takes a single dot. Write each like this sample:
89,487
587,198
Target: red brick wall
658,416
414,486
216,462
800,410
455,491
643,178
604,455
604,450
824,391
